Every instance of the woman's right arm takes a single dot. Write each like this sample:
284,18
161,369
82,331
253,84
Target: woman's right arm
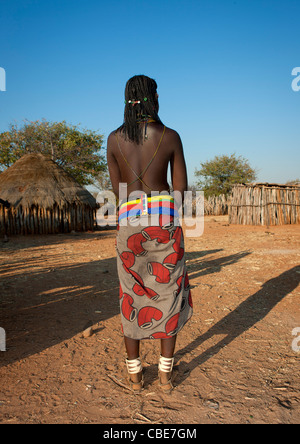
113,167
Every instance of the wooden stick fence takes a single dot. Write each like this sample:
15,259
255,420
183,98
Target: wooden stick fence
264,204
216,205
36,220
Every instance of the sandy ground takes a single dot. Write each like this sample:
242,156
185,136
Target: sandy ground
235,361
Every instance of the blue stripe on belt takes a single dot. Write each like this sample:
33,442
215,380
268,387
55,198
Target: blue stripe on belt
157,210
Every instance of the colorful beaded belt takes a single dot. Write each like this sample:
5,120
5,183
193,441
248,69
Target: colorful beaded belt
144,205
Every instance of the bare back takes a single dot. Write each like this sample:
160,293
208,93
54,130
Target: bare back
145,167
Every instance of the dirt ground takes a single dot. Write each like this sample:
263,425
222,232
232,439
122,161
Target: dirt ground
235,361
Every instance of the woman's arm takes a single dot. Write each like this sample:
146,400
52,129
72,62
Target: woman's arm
113,167
178,166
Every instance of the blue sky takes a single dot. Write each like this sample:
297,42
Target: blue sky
223,68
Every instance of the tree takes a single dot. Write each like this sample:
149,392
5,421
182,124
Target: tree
293,182
7,155
103,182
78,151
217,176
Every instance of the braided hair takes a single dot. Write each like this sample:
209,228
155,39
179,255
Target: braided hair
141,101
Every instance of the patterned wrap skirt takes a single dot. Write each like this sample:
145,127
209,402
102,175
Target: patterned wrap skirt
155,295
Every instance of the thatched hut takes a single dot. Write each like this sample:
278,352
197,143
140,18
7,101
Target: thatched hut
43,199
265,204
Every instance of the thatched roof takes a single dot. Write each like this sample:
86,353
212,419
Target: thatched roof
36,179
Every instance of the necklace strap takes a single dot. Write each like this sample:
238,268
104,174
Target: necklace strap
145,118
139,176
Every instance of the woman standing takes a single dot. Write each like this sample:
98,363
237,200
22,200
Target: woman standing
155,298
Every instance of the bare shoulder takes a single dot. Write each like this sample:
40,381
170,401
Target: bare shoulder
172,133
111,137
111,141
173,138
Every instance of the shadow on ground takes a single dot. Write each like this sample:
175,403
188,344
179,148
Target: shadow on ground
41,306
248,313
